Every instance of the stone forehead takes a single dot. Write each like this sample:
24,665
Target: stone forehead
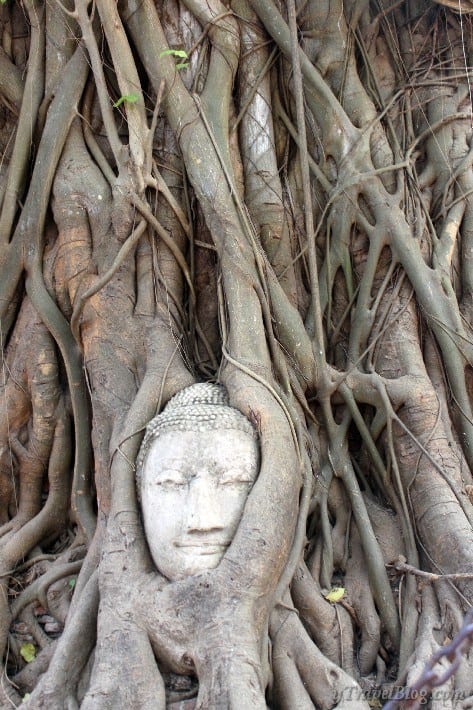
200,407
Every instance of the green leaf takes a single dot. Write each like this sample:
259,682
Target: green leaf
335,594
129,98
72,582
182,65
174,52
28,652
26,697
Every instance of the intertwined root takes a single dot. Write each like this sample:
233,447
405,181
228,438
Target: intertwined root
206,219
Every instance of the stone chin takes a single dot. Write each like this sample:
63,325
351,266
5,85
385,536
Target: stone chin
189,561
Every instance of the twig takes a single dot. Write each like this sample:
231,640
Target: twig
401,566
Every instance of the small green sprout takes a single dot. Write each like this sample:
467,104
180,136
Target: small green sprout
129,98
178,53
181,53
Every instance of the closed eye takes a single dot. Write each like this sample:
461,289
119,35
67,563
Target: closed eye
172,479
235,481
171,483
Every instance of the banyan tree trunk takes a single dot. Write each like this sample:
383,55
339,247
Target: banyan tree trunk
277,196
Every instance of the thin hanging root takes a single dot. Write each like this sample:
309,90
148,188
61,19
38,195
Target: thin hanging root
38,589
9,697
145,211
94,148
267,65
129,244
161,186
269,387
319,350
119,152
295,136
128,82
425,452
326,571
149,143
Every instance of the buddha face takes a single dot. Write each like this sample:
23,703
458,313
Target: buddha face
193,490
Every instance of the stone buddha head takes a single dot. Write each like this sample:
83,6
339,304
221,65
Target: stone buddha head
197,463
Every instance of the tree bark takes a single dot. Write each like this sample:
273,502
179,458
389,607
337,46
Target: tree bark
273,196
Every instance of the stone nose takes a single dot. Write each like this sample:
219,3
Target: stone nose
204,513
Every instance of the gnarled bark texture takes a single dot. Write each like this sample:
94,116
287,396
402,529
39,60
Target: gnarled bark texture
277,196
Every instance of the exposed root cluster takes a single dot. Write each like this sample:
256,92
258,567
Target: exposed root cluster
277,196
